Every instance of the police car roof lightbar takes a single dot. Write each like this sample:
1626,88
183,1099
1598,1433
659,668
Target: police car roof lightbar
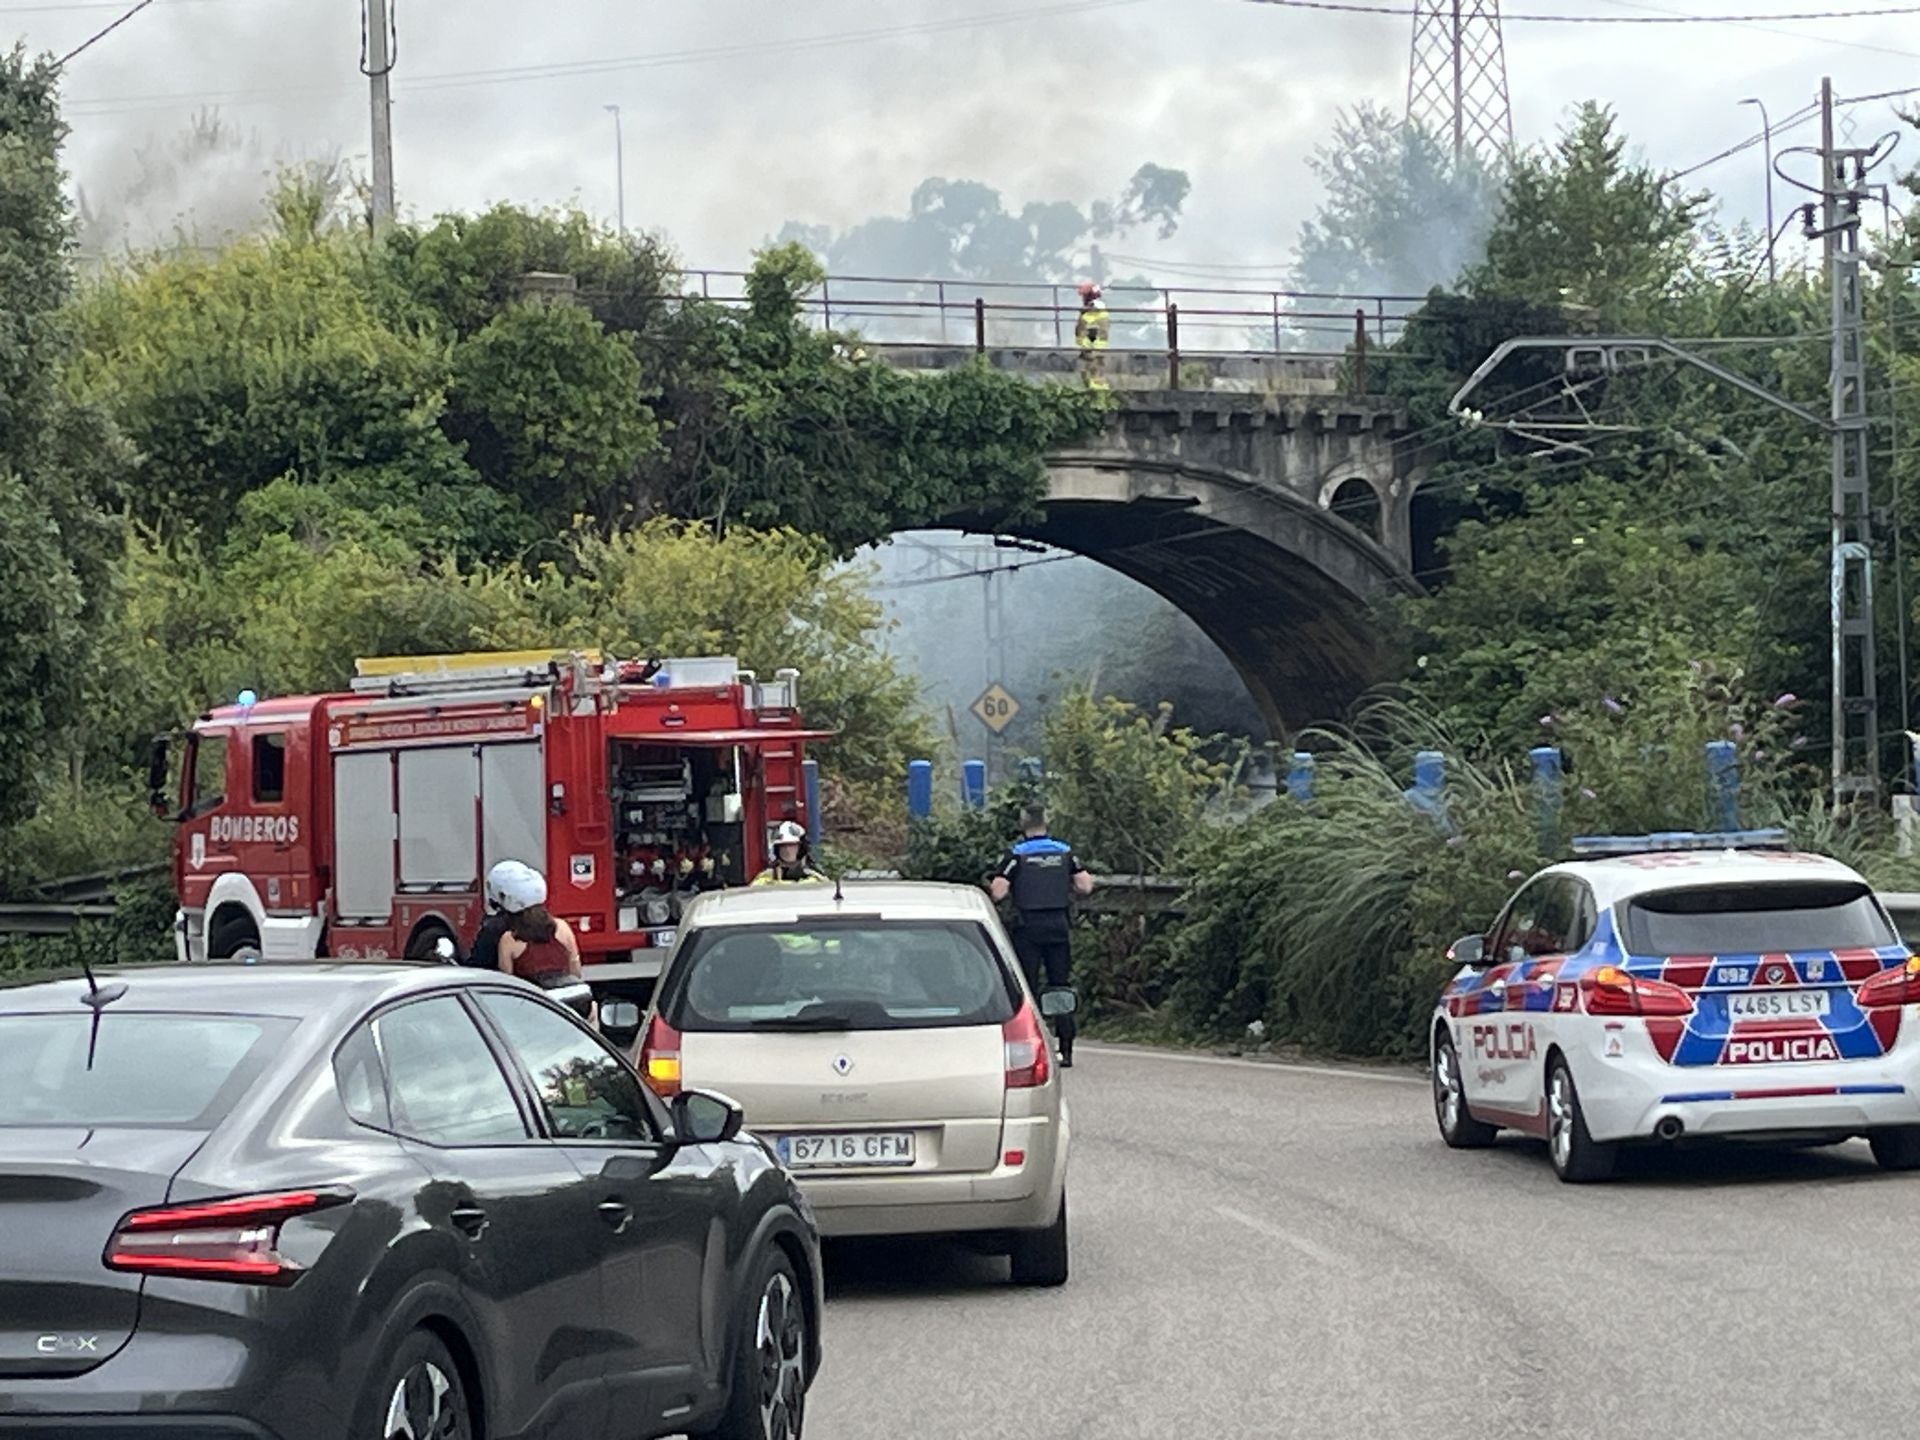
1667,842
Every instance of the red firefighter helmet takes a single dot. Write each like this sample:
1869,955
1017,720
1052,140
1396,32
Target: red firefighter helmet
1089,291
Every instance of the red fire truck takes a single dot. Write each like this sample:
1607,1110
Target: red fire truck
363,823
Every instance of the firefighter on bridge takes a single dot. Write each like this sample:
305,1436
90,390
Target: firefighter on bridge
1092,332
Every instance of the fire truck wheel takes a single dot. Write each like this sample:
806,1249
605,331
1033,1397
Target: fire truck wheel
232,937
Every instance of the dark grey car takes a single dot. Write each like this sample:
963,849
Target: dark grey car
378,1201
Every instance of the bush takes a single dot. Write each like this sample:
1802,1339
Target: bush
1330,921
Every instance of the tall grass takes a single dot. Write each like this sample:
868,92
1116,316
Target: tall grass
1330,921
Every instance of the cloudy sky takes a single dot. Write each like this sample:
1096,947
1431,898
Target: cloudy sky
741,114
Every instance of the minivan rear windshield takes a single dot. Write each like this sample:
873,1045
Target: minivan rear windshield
1756,919
172,1071
857,975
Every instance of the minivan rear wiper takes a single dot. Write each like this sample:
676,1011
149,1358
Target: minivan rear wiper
807,1020
822,1016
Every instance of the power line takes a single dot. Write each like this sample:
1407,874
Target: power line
515,74
1348,8
99,35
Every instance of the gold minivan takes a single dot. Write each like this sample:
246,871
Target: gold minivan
885,1047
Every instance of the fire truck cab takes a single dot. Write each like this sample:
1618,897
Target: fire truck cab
362,824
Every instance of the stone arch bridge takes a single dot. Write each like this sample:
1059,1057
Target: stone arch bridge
1264,501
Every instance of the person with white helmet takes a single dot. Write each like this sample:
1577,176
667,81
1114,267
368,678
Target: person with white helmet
792,865
511,886
538,945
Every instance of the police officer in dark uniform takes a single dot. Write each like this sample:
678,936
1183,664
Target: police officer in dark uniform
1042,876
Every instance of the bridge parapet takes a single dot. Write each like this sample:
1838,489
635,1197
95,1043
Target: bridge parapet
1138,370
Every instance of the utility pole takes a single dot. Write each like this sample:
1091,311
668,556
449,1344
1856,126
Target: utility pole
1856,723
1766,140
377,64
619,166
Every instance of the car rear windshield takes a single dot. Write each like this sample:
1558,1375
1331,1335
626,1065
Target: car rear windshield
140,1069
1756,919
865,975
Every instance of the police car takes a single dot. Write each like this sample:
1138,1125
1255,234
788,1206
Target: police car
1678,987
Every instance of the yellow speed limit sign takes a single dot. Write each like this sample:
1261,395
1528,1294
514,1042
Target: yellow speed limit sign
996,708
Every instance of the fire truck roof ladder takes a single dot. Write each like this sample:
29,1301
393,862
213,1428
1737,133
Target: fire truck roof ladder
444,674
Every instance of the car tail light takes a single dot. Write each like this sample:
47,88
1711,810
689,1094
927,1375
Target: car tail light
1896,985
1610,990
660,1058
235,1240
1029,1056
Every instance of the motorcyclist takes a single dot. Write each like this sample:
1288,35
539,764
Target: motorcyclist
508,879
792,864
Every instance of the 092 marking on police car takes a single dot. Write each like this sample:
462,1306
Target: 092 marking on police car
1779,1004
816,1152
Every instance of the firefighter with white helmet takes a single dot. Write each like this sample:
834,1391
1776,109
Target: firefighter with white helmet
511,888
792,865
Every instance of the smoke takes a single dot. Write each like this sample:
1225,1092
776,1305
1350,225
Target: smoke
1039,629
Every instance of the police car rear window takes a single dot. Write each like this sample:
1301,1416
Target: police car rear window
870,975
1756,919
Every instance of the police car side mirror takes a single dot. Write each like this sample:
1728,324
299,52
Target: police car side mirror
1468,950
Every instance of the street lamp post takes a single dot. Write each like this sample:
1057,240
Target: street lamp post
1766,139
619,165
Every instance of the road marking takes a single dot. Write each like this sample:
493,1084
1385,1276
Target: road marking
1286,1237
1282,1067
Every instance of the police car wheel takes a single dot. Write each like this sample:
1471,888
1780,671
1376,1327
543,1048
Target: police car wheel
1577,1158
1457,1126
1897,1147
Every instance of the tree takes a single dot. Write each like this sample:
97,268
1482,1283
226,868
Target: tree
772,424
551,409
1401,214
962,230
58,460
1582,226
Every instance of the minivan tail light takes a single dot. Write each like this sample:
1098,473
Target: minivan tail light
1610,990
1029,1056
1896,985
660,1058
235,1240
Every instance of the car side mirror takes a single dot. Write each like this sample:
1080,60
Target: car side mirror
157,773
620,1021
1468,950
701,1117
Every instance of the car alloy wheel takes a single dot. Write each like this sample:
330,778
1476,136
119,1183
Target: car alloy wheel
425,1406
780,1340
1457,1125
1577,1157
1448,1099
1560,1104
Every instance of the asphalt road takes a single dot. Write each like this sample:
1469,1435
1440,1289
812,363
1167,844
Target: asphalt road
1291,1254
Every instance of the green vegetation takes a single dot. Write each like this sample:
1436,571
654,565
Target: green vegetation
244,468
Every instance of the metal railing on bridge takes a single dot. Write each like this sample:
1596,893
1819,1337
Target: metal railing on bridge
1175,320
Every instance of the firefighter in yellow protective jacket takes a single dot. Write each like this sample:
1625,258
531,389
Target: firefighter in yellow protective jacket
791,863
1092,333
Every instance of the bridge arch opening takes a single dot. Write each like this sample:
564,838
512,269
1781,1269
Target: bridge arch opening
969,612
1358,503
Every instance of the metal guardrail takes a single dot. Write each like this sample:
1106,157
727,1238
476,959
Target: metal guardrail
1178,320
35,919
97,886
